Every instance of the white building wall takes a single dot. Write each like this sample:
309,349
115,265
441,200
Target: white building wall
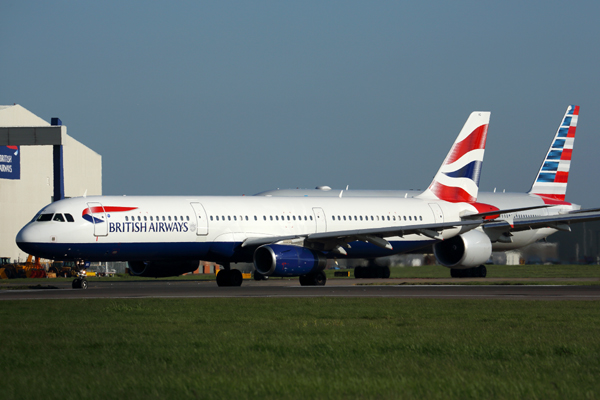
21,199
82,169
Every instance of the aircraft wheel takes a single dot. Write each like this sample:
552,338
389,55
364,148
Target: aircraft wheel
235,277
83,284
320,279
223,278
482,271
455,273
304,281
260,277
76,284
384,272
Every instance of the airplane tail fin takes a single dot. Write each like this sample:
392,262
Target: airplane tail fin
551,180
458,178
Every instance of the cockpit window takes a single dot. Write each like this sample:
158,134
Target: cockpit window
58,217
45,217
69,218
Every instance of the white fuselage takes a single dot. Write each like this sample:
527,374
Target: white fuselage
213,228
503,201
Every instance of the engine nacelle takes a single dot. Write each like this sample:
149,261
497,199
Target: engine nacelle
468,250
161,269
283,260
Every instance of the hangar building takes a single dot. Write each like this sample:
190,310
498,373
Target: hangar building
39,162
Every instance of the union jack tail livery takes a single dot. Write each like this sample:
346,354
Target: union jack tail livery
551,180
458,178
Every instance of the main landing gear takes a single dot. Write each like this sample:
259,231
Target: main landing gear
317,279
476,272
229,277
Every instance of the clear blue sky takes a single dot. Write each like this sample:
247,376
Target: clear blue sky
234,97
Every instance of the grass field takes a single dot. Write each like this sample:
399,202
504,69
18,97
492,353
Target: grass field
333,348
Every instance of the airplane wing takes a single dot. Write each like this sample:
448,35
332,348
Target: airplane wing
497,228
340,239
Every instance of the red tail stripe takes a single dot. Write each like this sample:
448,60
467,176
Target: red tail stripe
553,198
571,132
475,141
576,111
566,154
561,177
451,194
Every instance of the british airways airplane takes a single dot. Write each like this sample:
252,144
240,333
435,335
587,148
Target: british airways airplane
166,236
545,198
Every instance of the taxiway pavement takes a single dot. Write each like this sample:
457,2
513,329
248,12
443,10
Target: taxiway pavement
109,289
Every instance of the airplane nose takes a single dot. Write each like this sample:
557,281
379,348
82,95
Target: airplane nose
25,238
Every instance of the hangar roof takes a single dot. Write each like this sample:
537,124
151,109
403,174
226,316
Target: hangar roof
18,116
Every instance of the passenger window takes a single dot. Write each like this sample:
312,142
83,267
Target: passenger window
69,218
394,218
126,218
145,218
175,217
409,218
356,219
361,217
58,217
139,218
271,217
187,217
211,217
344,217
311,218
234,218
405,217
256,219
229,217
339,219
277,217
420,218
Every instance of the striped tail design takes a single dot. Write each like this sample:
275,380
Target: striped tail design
458,178
552,178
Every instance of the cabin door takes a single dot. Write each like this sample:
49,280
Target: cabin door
201,219
320,219
438,214
96,214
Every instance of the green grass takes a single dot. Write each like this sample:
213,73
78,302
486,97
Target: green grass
331,348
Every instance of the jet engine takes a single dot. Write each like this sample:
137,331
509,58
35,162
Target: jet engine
161,269
464,251
285,260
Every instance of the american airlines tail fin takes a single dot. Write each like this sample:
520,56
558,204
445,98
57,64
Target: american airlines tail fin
552,178
458,178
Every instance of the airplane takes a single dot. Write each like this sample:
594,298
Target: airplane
546,197
167,235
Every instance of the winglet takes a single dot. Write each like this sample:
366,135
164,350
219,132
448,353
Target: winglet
458,178
551,180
